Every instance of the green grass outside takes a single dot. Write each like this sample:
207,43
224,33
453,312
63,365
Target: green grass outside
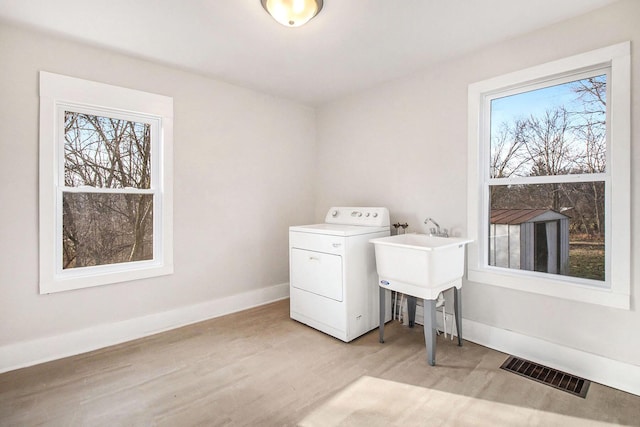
586,260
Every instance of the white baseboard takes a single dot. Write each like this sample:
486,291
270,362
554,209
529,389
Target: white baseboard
612,373
23,354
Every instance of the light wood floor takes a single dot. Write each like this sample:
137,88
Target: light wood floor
261,368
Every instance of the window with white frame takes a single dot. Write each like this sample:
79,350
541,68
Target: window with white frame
105,184
549,187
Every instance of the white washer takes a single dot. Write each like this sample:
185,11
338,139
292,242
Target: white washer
333,278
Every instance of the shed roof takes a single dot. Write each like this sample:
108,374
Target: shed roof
520,216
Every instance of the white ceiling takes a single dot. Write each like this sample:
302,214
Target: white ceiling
349,46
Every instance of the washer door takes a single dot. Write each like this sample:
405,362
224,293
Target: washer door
317,272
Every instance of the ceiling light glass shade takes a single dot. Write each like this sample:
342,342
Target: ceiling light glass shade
292,13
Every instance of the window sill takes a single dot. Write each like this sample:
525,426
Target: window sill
563,287
68,282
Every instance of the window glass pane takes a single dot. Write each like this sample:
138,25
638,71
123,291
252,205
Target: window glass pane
100,229
556,130
103,152
551,228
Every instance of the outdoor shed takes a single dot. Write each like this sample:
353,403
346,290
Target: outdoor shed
529,239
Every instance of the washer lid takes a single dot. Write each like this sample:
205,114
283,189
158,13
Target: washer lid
338,229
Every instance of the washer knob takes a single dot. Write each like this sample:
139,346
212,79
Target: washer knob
334,213
375,214
367,214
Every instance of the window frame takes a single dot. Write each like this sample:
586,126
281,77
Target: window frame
58,94
615,290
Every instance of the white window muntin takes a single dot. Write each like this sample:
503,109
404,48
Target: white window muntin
154,189
544,179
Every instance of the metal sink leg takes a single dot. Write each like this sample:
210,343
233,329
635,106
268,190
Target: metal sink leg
430,329
383,295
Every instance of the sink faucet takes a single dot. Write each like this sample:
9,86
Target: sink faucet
435,231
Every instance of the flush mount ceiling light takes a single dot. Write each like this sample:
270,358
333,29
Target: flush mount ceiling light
292,13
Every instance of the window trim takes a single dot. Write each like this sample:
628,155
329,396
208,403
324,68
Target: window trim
616,289
58,92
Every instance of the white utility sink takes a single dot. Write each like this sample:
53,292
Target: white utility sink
420,265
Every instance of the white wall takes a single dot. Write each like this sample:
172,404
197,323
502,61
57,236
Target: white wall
403,145
242,176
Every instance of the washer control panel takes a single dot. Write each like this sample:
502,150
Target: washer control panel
372,217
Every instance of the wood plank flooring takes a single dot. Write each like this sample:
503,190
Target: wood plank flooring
260,368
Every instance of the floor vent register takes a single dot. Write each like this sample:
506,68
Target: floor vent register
545,375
